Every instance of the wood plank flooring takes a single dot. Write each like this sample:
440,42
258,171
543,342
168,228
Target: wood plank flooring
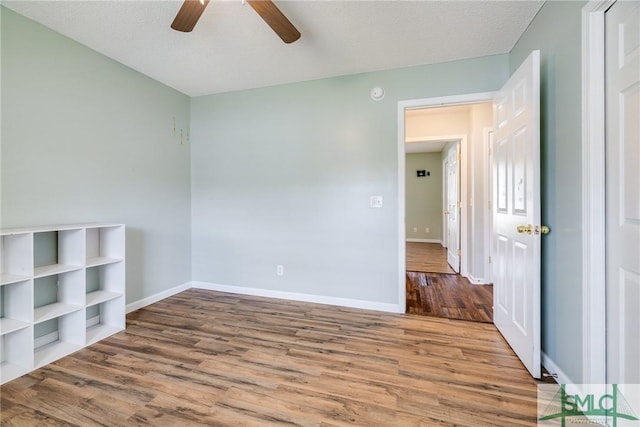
448,295
433,288
427,257
204,358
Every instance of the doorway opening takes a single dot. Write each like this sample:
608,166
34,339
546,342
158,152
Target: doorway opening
446,228
516,230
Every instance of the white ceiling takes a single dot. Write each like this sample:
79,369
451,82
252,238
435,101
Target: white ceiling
231,48
415,147
427,144
424,113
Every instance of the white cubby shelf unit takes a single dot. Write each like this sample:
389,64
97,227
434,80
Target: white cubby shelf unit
61,288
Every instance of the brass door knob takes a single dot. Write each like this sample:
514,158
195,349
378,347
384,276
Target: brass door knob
541,229
525,229
530,229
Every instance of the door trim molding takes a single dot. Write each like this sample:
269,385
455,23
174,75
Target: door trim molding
460,146
593,193
487,135
442,101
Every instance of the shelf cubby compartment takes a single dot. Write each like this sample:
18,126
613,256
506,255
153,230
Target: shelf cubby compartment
104,282
105,319
57,337
56,252
104,300
16,310
16,257
58,295
104,245
16,354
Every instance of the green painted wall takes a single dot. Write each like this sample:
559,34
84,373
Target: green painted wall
86,139
556,31
280,175
423,196
283,175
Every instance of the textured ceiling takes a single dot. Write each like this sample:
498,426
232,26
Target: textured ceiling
231,48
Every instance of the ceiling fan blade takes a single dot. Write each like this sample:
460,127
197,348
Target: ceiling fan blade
188,15
279,23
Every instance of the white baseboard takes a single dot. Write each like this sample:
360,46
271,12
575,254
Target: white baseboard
424,241
318,299
477,280
553,369
157,297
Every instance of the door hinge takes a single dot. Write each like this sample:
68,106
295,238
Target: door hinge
459,252
489,259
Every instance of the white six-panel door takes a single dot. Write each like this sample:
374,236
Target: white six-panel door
516,204
453,208
622,26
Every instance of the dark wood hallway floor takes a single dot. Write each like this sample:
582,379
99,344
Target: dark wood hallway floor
432,293
448,295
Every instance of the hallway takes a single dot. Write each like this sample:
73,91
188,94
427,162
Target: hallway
433,289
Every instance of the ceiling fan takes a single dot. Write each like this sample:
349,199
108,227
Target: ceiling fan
191,10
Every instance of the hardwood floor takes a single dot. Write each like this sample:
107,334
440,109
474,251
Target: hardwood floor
427,257
448,295
204,358
433,288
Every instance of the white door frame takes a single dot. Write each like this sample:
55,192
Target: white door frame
445,240
487,134
458,246
444,101
593,193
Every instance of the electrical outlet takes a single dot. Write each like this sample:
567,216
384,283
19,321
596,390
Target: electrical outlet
415,229
426,230
280,270
375,201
